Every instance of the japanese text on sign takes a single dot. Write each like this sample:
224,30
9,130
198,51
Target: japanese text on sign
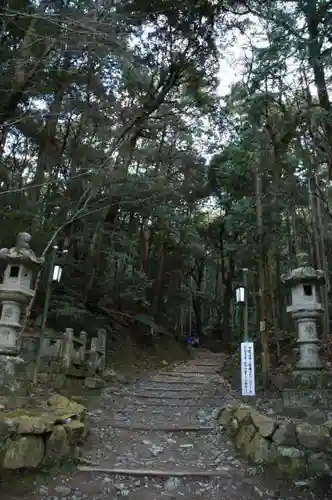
248,369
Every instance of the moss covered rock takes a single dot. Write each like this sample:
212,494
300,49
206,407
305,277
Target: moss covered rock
264,424
315,437
243,414
57,445
244,436
259,450
28,424
65,408
291,460
24,452
226,415
286,434
75,431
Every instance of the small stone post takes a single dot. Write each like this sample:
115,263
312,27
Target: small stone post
305,309
15,292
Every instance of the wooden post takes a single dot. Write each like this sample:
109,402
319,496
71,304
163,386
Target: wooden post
262,291
82,348
67,348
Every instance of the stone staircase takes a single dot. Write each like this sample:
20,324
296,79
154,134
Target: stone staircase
158,440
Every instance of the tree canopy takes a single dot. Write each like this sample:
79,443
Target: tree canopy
116,145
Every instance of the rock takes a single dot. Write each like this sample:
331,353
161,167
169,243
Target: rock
302,483
62,489
291,460
316,417
57,445
294,412
243,414
26,452
315,437
75,431
156,449
216,413
286,434
233,427
34,424
290,451
172,484
226,415
65,408
328,425
6,429
109,375
94,383
122,379
259,450
258,491
244,436
319,463
265,425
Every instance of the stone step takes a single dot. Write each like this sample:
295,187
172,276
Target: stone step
156,388
154,472
189,374
161,396
180,381
163,428
164,404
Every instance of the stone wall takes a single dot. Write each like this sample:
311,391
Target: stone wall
297,449
38,437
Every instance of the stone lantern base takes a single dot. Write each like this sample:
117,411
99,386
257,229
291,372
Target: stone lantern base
12,376
308,389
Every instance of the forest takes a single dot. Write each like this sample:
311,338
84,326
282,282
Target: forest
117,146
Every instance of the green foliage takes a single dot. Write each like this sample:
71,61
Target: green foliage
107,117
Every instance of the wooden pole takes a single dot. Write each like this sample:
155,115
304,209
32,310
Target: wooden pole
261,272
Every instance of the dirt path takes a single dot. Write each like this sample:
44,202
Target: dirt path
157,440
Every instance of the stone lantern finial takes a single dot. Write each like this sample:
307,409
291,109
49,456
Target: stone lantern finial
21,253
302,259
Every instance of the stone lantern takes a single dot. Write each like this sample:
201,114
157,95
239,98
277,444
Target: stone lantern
15,292
305,308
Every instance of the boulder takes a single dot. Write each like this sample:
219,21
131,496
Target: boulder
216,413
109,375
226,415
57,445
328,425
64,409
244,436
243,414
233,427
75,431
315,437
94,383
25,452
7,428
291,460
292,411
29,424
265,425
286,434
259,450
319,463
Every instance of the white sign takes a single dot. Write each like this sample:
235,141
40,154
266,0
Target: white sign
57,271
240,294
248,369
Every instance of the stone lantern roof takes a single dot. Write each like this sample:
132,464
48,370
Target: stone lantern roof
304,273
21,253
